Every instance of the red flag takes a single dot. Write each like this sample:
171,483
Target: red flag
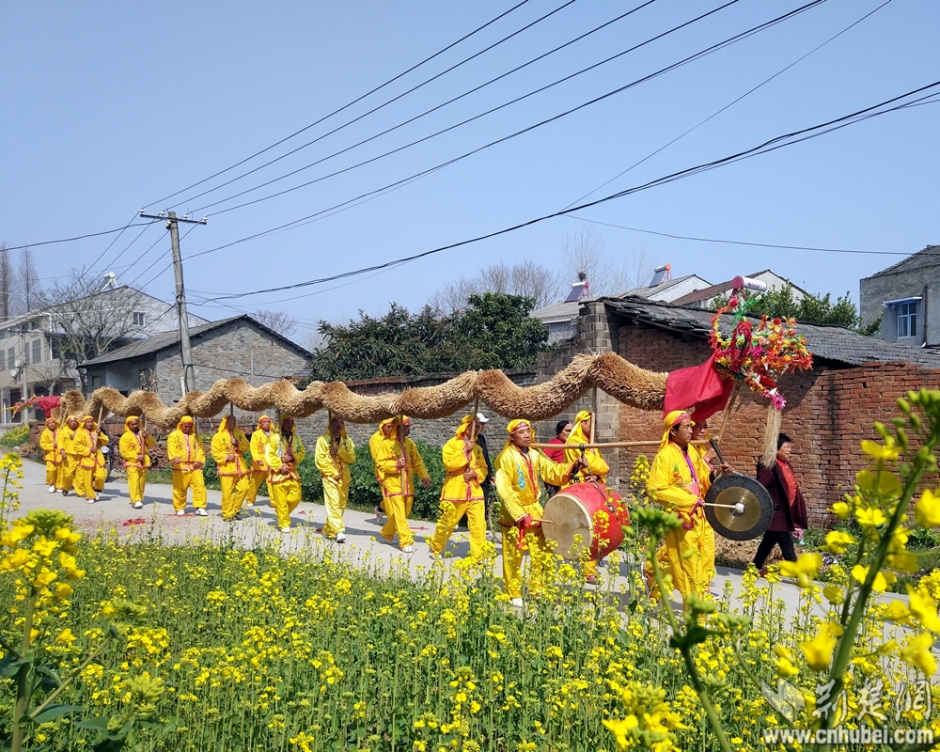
700,387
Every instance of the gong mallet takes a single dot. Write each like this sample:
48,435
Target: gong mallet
736,509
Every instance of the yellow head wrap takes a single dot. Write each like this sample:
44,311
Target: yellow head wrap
512,426
465,422
51,420
578,435
672,419
128,419
262,418
185,419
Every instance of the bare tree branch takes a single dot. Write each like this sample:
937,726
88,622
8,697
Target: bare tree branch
279,321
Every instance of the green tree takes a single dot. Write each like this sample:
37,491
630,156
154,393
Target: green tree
494,331
810,309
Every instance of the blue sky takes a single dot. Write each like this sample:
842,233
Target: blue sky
108,108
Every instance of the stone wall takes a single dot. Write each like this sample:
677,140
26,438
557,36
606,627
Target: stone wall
236,350
433,432
597,333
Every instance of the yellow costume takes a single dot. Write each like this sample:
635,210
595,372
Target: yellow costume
596,466
283,454
333,460
460,495
188,449
678,481
259,465
386,451
517,484
47,442
226,449
86,449
135,451
65,445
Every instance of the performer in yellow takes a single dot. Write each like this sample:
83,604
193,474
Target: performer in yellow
100,473
226,449
135,446
259,465
47,442
596,470
285,451
85,447
518,470
187,455
395,469
678,481
465,470
65,445
333,456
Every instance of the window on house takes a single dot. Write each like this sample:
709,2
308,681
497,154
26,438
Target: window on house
907,320
138,318
37,351
11,356
3,360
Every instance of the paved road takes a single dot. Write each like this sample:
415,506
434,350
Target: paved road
363,543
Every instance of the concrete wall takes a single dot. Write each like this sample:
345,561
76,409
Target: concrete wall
924,282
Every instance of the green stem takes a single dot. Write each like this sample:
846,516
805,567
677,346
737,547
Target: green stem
713,720
68,680
22,677
847,640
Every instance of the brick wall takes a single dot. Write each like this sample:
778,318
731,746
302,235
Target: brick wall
830,410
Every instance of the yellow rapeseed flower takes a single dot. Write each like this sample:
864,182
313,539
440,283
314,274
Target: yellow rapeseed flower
927,509
836,541
841,510
818,651
916,652
882,579
887,451
870,516
804,569
925,609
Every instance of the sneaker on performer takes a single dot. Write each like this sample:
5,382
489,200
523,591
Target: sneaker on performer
92,500
285,529
408,550
201,512
181,513
64,492
517,602
138,505
52,489
340,537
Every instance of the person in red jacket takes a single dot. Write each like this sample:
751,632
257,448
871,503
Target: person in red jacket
562,431
789,507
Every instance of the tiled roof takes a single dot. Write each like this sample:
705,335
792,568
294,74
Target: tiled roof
164,340
928,257
831,343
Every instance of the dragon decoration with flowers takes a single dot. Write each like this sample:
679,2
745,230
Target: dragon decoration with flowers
758,356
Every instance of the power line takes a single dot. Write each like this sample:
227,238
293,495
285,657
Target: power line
462,123
77,237
101,255
729,105
778,142
740,242
423,173
419,116
345,106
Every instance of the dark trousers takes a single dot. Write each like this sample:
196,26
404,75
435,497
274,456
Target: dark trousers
772,538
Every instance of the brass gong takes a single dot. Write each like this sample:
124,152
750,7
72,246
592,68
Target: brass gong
738,507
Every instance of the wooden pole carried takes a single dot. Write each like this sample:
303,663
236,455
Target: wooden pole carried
612,444
727,412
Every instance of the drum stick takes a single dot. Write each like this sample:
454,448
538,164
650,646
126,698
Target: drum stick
593,413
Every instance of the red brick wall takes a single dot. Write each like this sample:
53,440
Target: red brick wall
829,412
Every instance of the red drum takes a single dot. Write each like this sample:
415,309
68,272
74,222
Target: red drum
591,511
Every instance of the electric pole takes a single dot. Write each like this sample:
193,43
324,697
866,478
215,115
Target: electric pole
172,224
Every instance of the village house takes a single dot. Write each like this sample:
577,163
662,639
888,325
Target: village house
904,297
